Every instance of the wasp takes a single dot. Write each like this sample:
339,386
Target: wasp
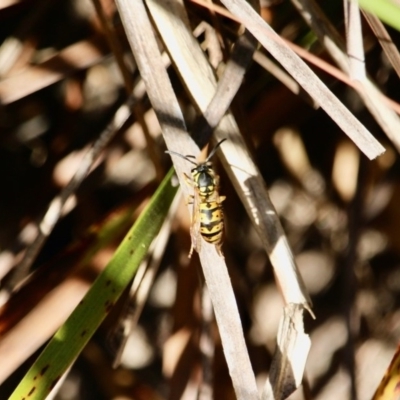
207,216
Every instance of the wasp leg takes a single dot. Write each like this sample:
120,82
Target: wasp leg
217,181
196,242
195,245
188,180
195,236
219,250
191,251
189,200
222,198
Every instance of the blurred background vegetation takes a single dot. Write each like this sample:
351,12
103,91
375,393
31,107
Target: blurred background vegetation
60,86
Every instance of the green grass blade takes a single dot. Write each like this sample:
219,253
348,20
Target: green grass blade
386,10
71,338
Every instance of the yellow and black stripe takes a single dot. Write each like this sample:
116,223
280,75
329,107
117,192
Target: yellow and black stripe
211,222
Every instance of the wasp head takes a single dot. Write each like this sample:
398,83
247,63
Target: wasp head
203,175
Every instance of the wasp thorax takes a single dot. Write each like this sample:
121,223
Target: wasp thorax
204,179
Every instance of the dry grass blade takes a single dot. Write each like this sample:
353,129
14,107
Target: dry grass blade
289,359
162,97
244,175
330,38
283,77
354,40
227,88
379,105
206,346
310,82
385,40
288,364
237,161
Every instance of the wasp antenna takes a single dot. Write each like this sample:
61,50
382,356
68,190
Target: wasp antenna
182,156
214,149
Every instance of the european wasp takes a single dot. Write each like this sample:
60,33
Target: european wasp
207,217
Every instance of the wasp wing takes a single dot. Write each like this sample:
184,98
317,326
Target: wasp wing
195,233
195,225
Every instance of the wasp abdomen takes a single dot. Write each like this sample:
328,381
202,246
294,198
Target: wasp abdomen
211,222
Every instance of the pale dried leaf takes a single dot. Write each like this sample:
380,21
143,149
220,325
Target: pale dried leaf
290,356
80,55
